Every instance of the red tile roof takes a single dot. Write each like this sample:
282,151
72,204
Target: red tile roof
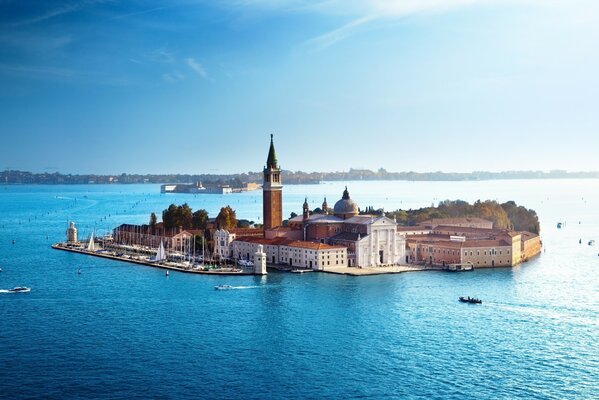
314,245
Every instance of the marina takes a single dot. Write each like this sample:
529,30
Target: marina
191,268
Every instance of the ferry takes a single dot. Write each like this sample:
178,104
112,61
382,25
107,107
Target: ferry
19,289
223,287
470,300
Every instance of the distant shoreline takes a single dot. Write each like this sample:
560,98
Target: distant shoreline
238,181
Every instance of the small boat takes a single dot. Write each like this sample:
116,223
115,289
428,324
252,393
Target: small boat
459,267
299,271
470,300
223,287
591,242
559,225
19,289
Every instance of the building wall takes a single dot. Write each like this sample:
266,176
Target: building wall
272,203
222,243
531,247
381,239
481,257
322,231
322,259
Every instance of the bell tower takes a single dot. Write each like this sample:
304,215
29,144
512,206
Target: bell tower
272,191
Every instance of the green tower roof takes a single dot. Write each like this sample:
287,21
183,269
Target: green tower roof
271,161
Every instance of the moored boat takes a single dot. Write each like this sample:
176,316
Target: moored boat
459,267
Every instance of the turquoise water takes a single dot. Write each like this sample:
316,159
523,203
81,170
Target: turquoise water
126,331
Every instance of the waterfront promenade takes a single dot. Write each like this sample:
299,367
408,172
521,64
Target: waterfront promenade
395,269
194,269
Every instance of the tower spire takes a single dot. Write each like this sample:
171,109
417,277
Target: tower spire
271,161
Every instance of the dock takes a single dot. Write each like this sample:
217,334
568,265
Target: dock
162,265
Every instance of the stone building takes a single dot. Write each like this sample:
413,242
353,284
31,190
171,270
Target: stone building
481,247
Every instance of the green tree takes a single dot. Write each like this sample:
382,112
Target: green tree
152,223
185,216
200,219
169,217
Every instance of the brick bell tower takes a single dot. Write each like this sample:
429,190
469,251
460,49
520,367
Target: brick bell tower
272,191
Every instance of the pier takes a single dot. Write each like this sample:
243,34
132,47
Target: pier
167,265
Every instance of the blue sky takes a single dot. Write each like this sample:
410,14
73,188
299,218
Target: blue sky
197,86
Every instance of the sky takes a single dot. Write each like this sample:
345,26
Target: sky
194,86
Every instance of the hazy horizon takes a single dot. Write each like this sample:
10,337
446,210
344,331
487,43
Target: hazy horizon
193,87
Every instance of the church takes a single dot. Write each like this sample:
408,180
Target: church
340,237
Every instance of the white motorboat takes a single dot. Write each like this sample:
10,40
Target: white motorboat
223,287
19,289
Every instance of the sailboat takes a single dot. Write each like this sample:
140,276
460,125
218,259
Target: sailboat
160,254
91,246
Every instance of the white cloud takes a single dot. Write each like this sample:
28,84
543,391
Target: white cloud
173,77
197,67
161,55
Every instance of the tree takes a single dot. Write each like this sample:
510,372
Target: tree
152,223
185,216
169,216
200,219
226,218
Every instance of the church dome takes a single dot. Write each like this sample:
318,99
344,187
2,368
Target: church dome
345,208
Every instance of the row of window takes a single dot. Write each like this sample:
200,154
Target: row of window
492,252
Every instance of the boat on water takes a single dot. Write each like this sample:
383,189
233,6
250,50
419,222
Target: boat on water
591,242
223,287
459,267
299,271
470,300
559,225
19,289
245,263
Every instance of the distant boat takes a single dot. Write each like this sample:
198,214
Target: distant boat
470,300
19,289
591,242
223,287
559,225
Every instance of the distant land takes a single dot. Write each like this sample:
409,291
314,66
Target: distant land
288,177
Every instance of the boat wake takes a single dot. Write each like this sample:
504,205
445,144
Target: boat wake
228,287
16,290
